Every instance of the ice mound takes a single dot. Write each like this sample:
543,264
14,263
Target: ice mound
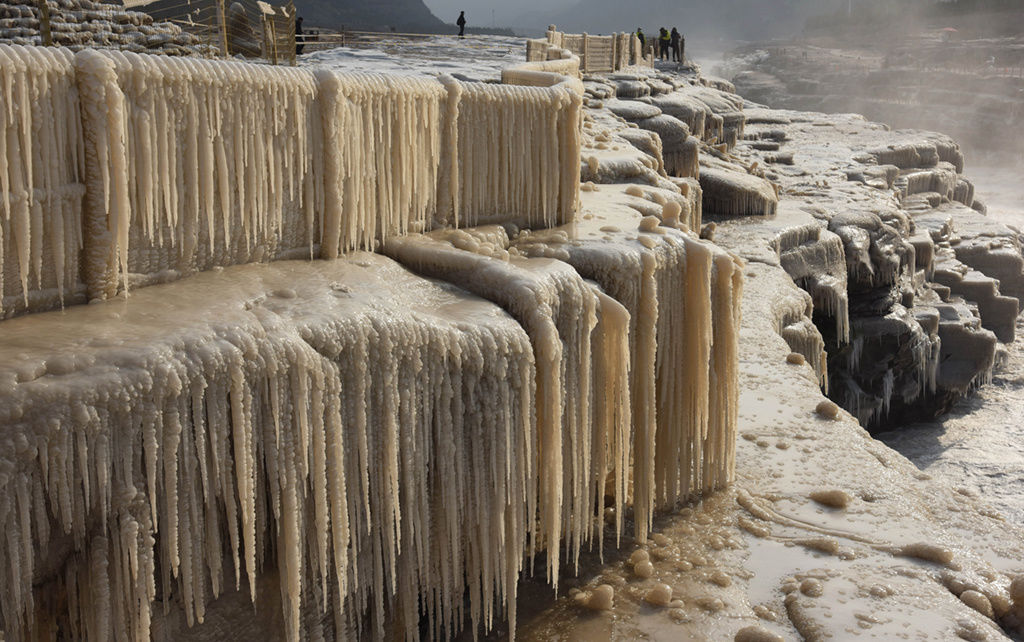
736,193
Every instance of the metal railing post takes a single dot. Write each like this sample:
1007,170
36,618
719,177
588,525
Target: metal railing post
586,53
291,37
223,27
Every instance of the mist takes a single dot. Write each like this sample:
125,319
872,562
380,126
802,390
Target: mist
956,67
490,13
703,23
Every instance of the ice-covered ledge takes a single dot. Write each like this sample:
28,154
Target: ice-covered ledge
165,436
153,168
827,530
208,430
824,530
562,69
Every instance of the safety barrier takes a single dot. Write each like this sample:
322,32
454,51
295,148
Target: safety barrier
596,53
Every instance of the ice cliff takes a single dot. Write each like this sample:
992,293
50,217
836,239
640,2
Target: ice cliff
367,445
363,349
848,257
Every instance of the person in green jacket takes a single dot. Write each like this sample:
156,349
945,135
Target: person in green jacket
664,40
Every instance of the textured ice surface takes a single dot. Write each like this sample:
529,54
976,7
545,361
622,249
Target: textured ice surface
895,551
301,420
298,417
475,58
178,166
413,380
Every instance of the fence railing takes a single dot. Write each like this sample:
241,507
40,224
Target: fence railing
279,38
132,168
318,39
596,53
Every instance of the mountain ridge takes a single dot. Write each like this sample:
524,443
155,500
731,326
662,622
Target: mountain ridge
381,15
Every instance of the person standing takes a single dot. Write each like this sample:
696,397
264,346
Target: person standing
640,37
462,24
300,40
663,42
675,45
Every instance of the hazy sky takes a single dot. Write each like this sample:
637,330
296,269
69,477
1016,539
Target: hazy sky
482,12
700,19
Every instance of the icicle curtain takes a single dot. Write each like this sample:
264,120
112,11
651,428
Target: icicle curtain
127,169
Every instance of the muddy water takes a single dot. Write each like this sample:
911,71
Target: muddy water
979,446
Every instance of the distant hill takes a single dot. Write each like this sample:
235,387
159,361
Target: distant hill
371,15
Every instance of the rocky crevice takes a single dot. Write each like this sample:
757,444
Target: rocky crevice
912,288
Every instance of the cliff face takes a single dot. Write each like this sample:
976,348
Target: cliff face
402,15
858,241
971,89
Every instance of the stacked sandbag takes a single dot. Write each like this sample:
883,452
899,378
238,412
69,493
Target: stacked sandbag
77,24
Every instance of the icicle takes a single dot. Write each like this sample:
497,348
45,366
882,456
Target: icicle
559,313
612,428
410,485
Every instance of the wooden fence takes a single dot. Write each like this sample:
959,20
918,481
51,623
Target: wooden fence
596,53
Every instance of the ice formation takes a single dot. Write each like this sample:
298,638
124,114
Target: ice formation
681,418
41,179
736,193
873,238
560,312
383,444
815,259
820,508
391,449
328,418
185,168
906,269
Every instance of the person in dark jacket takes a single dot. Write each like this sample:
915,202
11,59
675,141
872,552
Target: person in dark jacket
300,40
462,24
663,42
675,45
